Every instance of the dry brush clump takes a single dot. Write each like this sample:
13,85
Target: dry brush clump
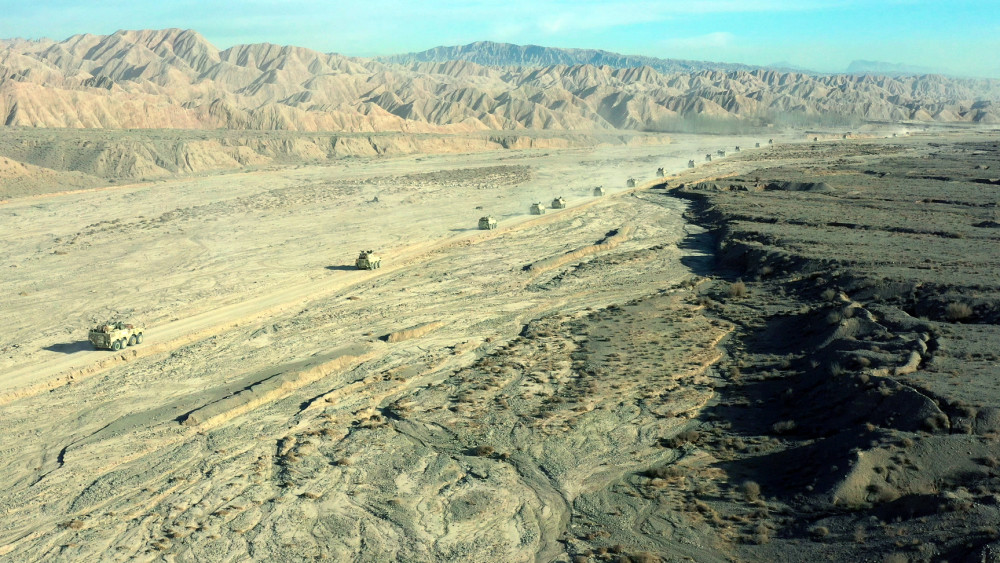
957,311
751,491
738,289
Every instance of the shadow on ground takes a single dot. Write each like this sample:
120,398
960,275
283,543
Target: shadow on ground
70,347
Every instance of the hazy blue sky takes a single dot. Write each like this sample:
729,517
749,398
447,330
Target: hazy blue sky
956,36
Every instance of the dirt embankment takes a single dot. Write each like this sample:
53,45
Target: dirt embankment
40,160
860,396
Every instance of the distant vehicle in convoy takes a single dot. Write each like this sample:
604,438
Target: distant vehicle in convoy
599,191
708,158
737,148
659,172
720,152
630,183
559,203
770,141
487,223
368,260
691,164
537,209
756,145
815,139
115,335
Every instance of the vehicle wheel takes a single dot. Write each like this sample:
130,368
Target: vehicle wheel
138,338
116,345
131,340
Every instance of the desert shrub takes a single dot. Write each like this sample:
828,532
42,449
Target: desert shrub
484,451
783,427
751,490
819,532
665,472
738,289
936,421
957,311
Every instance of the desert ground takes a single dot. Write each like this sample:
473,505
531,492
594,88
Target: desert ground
692,369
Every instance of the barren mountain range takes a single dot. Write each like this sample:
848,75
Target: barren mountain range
491,53
176,79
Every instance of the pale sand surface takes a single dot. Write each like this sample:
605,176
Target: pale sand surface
263,417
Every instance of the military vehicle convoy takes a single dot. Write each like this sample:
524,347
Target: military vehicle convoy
559,203
690,164
487,223
115,335
630,183
599,191
659,172
537,209
708,158
720,152
368,260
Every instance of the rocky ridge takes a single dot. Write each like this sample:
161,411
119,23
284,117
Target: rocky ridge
176,79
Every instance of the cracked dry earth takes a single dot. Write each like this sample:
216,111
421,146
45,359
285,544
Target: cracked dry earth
481,397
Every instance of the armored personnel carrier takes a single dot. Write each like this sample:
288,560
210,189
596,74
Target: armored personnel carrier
756,145
115,335
537,209
559,203
691,164
737,149
708,158
630,183
487,223
599,191
368,260
659,172
720,152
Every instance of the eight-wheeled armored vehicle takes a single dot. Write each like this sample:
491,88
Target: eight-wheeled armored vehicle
368,260
487,223
115,335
